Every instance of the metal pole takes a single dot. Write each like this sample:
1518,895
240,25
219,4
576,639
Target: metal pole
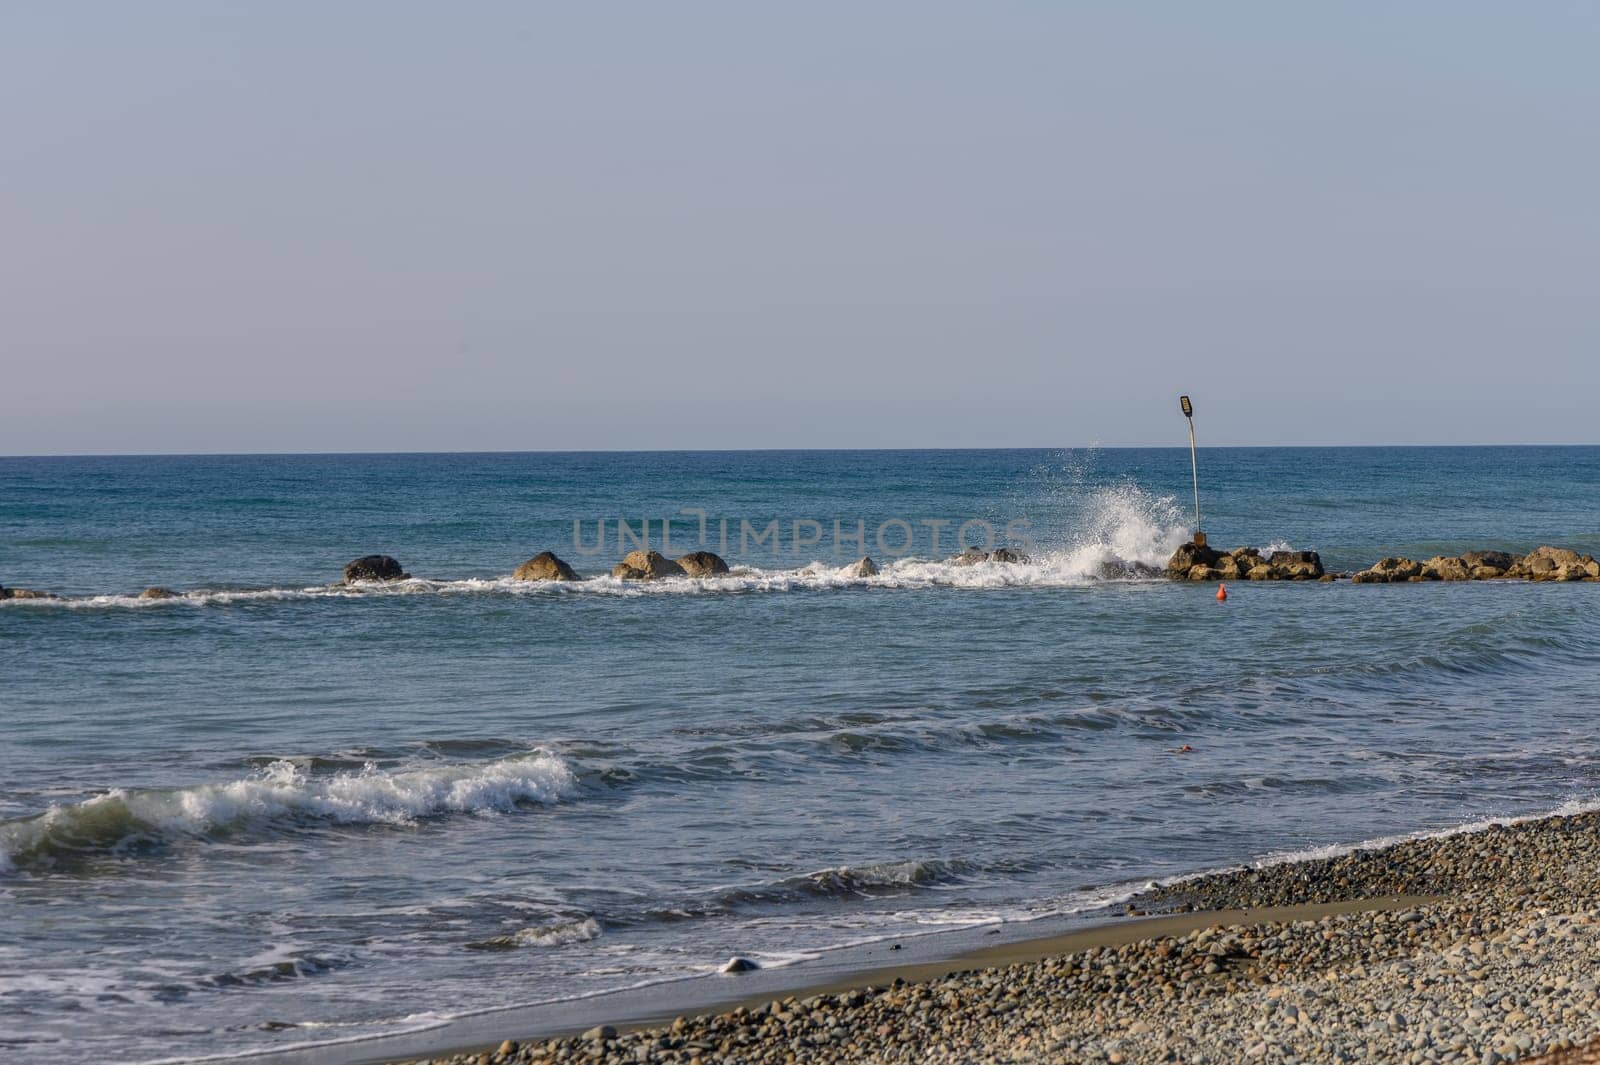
1194,468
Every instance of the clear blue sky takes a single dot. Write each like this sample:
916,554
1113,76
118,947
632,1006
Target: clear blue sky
392,226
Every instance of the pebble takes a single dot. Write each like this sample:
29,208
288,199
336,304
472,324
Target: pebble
1492,964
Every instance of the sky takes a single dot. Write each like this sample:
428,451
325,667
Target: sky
390,226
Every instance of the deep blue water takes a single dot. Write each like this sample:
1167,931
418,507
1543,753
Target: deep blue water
274,810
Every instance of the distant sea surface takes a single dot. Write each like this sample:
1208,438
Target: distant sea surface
274,811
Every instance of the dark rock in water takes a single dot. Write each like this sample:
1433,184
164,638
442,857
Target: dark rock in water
739,965
374,568
863,567
1188,557
158,593
29,593
1204,573
703,564
544,566
646,566
974,555
1119,569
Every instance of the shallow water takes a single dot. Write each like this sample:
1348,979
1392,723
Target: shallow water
273,810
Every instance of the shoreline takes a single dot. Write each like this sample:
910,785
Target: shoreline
1347,932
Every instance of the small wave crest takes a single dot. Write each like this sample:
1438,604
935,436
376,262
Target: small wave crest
555,934
278,797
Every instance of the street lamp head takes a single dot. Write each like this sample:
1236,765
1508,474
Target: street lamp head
1188,408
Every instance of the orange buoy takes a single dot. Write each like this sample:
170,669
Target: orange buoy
1222,593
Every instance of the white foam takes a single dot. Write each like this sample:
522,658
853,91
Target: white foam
285,792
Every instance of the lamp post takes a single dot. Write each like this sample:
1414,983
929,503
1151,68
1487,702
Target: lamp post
1194,469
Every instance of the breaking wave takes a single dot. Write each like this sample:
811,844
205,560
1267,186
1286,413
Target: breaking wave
279,797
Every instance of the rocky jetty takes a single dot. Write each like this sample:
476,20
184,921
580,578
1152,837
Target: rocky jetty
374,568
1473,948
703,564
1200,562
544,566
1540,564
646,566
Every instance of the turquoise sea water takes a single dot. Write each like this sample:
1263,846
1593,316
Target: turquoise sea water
273,811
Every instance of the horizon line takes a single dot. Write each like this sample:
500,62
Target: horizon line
772,450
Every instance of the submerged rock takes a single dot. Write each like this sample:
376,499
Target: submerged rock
646,566
703,564
545,566
862,567
374,568
28,593
158,593
974,555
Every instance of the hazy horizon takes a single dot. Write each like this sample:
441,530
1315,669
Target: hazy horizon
388,228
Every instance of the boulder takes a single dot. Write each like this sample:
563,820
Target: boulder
646,566
374,568
1259,572
544,566
1231,568
970,557
1204,573
703,564
1188,557
1446,568
1296,565
1007,554
1575,571
158,593
1559,556
29,593
862,567
1487,573
1243,553
739,965
1389,570
1490,560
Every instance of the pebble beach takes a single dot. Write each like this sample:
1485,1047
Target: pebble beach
1477,947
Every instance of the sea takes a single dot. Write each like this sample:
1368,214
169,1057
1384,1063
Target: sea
274,811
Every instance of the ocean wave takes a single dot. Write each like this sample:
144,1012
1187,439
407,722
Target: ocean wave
278,797
841,883
555,934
